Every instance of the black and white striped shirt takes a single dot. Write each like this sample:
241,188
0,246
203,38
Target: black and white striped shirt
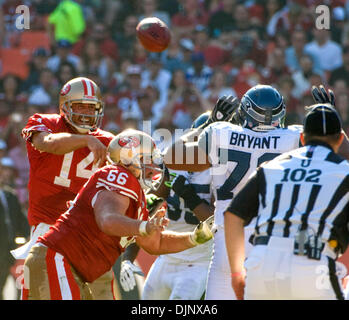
306,188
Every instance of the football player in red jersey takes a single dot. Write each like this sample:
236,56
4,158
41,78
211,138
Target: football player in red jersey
64,150
108,213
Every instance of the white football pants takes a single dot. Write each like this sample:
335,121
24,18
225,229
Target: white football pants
169,280
219,279
274,272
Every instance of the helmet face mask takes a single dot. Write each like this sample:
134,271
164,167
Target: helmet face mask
149,163
83,122
262,108
77,92
137,151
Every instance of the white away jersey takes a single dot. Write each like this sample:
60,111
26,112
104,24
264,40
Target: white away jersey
183,220
235,152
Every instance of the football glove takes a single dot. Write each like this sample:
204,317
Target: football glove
153,203
172,176
127,275
203,232
223,110
320,95
182,188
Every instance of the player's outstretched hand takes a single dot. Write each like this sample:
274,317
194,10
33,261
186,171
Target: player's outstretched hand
320,95
224,108
158,222
127,275
98,149
203,232
155,225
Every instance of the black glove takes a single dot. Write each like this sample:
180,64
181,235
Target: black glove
223,110
321,96
186,191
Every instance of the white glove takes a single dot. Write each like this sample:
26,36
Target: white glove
203,232
127,272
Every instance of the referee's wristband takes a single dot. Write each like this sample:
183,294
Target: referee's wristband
143,228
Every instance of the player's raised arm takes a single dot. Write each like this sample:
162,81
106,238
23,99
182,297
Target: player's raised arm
321,95
190,152
64,142
186,157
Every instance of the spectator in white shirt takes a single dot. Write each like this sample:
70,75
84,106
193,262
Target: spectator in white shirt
199,74
302,77
218,87
45,94
63,53
297,49
156,76
327,51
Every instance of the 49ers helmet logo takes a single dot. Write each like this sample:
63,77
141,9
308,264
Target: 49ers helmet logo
129,142
65,89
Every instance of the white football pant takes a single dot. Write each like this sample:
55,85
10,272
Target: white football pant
274,272
169,280
219,279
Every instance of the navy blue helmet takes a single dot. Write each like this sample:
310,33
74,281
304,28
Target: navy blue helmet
201,119
262,108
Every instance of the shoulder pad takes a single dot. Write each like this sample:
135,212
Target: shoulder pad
295,128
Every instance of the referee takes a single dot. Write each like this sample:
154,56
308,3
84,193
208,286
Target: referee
301,204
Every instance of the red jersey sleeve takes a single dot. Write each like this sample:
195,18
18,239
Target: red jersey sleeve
104,136
35,123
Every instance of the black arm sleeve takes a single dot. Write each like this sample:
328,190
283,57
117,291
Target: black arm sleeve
246,202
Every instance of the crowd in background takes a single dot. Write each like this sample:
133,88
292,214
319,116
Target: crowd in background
217,47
